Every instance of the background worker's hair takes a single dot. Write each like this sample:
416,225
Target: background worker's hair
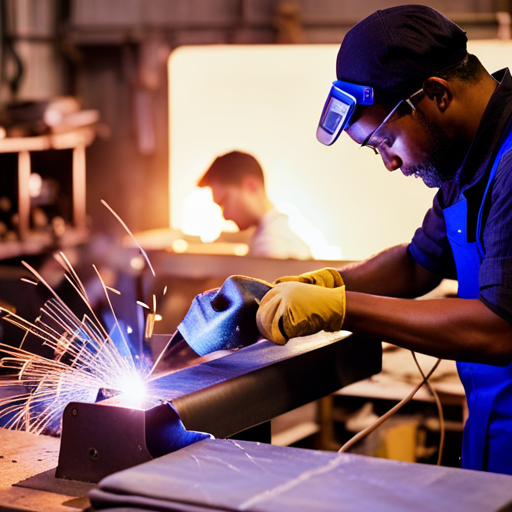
231,169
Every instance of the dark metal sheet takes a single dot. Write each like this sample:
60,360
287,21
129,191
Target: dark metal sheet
46,481
237,475
356,358
273,380
97,442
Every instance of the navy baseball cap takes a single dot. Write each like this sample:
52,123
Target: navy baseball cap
395,50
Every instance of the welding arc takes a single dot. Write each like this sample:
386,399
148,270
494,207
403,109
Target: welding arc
368,430
86,360
86,357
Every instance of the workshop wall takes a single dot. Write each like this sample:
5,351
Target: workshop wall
109,37
111,55
266,100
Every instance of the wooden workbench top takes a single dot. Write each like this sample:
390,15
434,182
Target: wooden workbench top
24,455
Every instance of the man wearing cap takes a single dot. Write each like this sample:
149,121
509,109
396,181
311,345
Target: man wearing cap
408,90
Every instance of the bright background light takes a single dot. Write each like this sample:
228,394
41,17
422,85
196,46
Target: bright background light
266,100
200,216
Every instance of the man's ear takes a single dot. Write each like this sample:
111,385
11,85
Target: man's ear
440,91
252,183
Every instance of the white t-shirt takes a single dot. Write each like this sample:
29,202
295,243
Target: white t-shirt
274,238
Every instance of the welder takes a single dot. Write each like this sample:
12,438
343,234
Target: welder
408,90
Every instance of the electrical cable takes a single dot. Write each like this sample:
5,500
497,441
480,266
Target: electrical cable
439,410
360,435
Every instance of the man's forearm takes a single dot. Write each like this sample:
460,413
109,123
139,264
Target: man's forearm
459,329
391,273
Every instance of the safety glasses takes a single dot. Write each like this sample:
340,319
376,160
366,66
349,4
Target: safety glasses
403,108
339,108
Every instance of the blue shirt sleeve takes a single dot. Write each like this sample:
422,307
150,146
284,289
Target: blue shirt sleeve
430,247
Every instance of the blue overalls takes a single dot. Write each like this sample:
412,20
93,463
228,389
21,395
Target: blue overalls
487,442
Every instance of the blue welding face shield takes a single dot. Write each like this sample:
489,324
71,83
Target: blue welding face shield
339,108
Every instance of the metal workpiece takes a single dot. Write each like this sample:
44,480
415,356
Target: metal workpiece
269,380
224,318
217,398
97,441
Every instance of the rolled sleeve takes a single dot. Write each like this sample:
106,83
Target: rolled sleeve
496,286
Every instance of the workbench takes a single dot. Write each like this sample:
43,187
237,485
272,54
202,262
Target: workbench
236,475
24,455
224,397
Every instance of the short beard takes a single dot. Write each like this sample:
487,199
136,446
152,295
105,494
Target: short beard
439,168
431,175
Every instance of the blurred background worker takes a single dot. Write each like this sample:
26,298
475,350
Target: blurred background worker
408,89
238,187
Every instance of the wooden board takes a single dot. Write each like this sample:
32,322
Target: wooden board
22,456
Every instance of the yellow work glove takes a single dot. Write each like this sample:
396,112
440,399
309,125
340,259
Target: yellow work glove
326,277
298,309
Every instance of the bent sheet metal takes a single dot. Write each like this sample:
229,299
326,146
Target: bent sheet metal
219,398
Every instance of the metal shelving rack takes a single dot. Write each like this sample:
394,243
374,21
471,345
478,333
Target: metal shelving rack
29,241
